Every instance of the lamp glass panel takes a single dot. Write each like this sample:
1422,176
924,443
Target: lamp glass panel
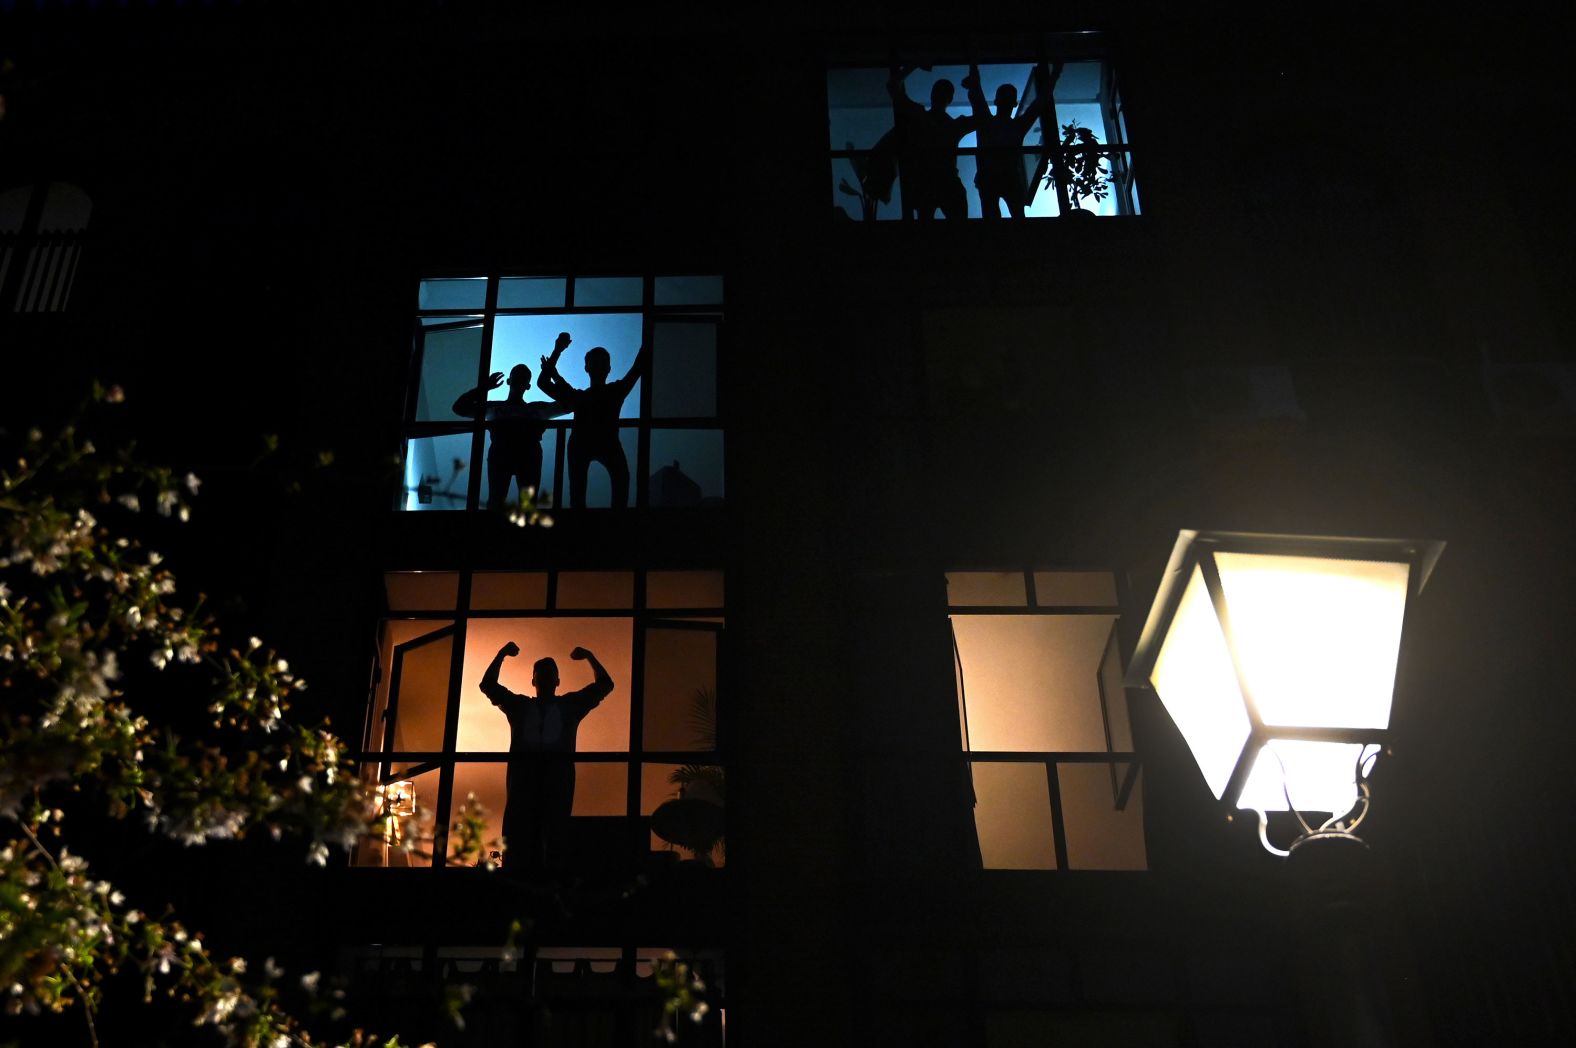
1319,776
1196,681
1316,637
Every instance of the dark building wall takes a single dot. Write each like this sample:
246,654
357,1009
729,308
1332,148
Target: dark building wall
269,183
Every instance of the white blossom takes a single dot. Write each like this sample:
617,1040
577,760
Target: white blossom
317,854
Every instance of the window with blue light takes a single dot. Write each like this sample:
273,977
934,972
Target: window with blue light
596,391
1038,132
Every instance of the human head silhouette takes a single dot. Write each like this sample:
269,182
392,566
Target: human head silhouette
941,93
544,678
598,363
1006,100
519,378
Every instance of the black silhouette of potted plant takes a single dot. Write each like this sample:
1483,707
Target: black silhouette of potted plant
1084,174
876,172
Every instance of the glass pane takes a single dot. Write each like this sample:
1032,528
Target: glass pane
1012,814
421,590
1030,681
408,840
597,789
859,110
608,291
680,689
509,590
986,589
1071,589
527,339
688,291
595,590
603,727
435,321
595,476
532,292
684,589
437,472
449,362
686,467
464,293
684,371
419,687
529,464
864,187
1098,836
392,633
692,824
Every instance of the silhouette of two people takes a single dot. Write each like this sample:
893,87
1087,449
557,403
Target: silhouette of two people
517,425
541,774
593,437
928,144
517,429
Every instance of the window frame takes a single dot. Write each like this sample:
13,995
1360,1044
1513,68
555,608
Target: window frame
1123,784
376,762
427,321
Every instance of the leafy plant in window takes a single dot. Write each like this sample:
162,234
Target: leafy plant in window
876,172
700,784
1087,176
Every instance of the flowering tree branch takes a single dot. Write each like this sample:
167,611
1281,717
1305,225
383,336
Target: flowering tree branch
91,631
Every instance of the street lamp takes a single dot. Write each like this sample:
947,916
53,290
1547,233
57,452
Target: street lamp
1276,657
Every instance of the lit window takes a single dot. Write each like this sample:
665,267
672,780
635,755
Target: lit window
1043,720
616,765
1030,132
624,414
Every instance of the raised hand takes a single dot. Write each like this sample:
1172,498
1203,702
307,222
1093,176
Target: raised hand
510,649
495,380
562,343
580,653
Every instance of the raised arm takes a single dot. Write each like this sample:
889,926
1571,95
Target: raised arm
971,84
899,93
601,686
473,402
637,369
495,692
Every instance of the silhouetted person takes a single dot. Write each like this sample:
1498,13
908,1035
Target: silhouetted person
999,173
594,435
927,149
541,791
517,429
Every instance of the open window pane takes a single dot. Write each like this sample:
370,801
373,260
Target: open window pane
686,467
684,370
1030,682
419,693
680,688
437,472
1012,815
393,634
449,363
485,727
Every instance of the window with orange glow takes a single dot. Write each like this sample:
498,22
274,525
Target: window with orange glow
433,738
1043,721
